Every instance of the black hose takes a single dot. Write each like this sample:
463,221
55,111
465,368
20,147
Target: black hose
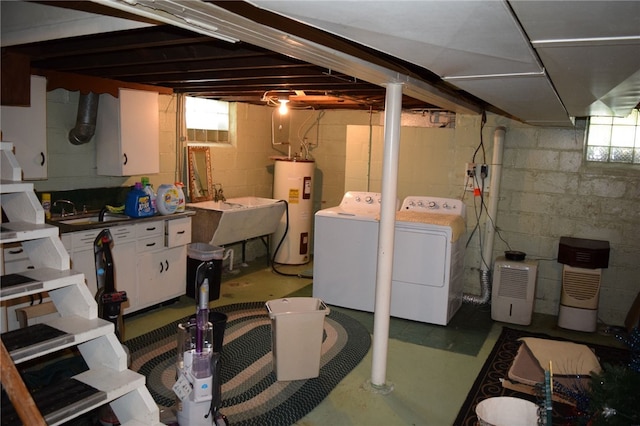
275,252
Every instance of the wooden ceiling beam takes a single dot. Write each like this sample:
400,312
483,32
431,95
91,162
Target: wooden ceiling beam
86,84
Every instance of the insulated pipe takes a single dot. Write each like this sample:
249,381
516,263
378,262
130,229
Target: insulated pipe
492,212
393,110
86,119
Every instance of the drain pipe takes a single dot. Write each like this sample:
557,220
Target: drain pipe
492,212
86,119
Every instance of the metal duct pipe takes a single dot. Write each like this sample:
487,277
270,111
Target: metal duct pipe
86,119
492,212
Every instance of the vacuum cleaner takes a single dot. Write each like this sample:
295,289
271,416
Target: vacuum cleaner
198,385
109,303
108,298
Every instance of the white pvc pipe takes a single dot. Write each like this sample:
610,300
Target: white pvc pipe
393,111
494,185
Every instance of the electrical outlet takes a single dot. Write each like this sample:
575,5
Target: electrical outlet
469,176
473,177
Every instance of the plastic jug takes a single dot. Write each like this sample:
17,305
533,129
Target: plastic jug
181,200
167,199
138,203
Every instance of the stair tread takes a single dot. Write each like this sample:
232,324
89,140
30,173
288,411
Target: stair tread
11,186
75,330
20,231
58,402
35,335
36,281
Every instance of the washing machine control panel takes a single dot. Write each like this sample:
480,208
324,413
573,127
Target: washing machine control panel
361,202
434,205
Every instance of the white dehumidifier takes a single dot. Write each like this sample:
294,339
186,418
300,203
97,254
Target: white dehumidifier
514,290
579,298
582,261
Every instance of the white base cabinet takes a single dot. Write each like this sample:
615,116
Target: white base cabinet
150,260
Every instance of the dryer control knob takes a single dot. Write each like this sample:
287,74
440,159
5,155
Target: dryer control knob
432,205
369,199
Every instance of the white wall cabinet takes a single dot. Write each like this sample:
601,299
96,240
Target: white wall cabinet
26,127
128,134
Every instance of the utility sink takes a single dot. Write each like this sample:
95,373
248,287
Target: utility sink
93,219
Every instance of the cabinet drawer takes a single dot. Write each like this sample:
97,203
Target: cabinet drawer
150,244
14,253
150,229
178,232
123,234
84,239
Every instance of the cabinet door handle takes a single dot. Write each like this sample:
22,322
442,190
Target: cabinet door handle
42,158
126,160
151,244
16,251
181,232
166,263
161,267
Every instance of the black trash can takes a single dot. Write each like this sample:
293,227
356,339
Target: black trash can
198,253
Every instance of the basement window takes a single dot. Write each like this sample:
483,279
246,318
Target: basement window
614,139
207,120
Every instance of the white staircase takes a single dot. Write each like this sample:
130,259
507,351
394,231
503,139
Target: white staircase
78,326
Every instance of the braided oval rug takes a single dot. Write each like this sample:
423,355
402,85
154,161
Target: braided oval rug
250,392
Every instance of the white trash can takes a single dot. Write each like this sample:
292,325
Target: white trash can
507,411
297,329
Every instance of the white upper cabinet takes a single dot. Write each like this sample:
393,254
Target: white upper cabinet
26,127
128,134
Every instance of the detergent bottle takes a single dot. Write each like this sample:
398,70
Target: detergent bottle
146,186
138,203
181,201
167,199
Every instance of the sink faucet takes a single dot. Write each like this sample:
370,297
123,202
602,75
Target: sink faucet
63,213
218,193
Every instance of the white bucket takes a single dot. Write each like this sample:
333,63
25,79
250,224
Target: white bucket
507,411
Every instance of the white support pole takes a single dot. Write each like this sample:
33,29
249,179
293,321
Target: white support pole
393,110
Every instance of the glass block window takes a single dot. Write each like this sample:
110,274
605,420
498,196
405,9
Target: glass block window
207,120
614,139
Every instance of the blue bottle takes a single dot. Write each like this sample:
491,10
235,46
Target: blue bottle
138,203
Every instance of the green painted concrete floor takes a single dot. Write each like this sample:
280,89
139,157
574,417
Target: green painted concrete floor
429,368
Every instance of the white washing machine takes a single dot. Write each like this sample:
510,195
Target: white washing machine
428,259
428,256
345,251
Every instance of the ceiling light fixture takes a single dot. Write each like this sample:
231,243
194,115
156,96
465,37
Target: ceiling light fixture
283,106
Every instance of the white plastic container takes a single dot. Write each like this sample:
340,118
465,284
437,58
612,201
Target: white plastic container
507,411
148,189
297,328
167,199
181,200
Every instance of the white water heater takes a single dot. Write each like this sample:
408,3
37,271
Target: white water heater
293,183
514,290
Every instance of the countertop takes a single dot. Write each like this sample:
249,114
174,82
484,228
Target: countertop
66,228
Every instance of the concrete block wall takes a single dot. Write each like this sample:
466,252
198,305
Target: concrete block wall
548,191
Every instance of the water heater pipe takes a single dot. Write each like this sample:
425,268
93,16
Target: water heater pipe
382,310
492,212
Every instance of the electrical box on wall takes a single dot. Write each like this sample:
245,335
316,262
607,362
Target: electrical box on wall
476,177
